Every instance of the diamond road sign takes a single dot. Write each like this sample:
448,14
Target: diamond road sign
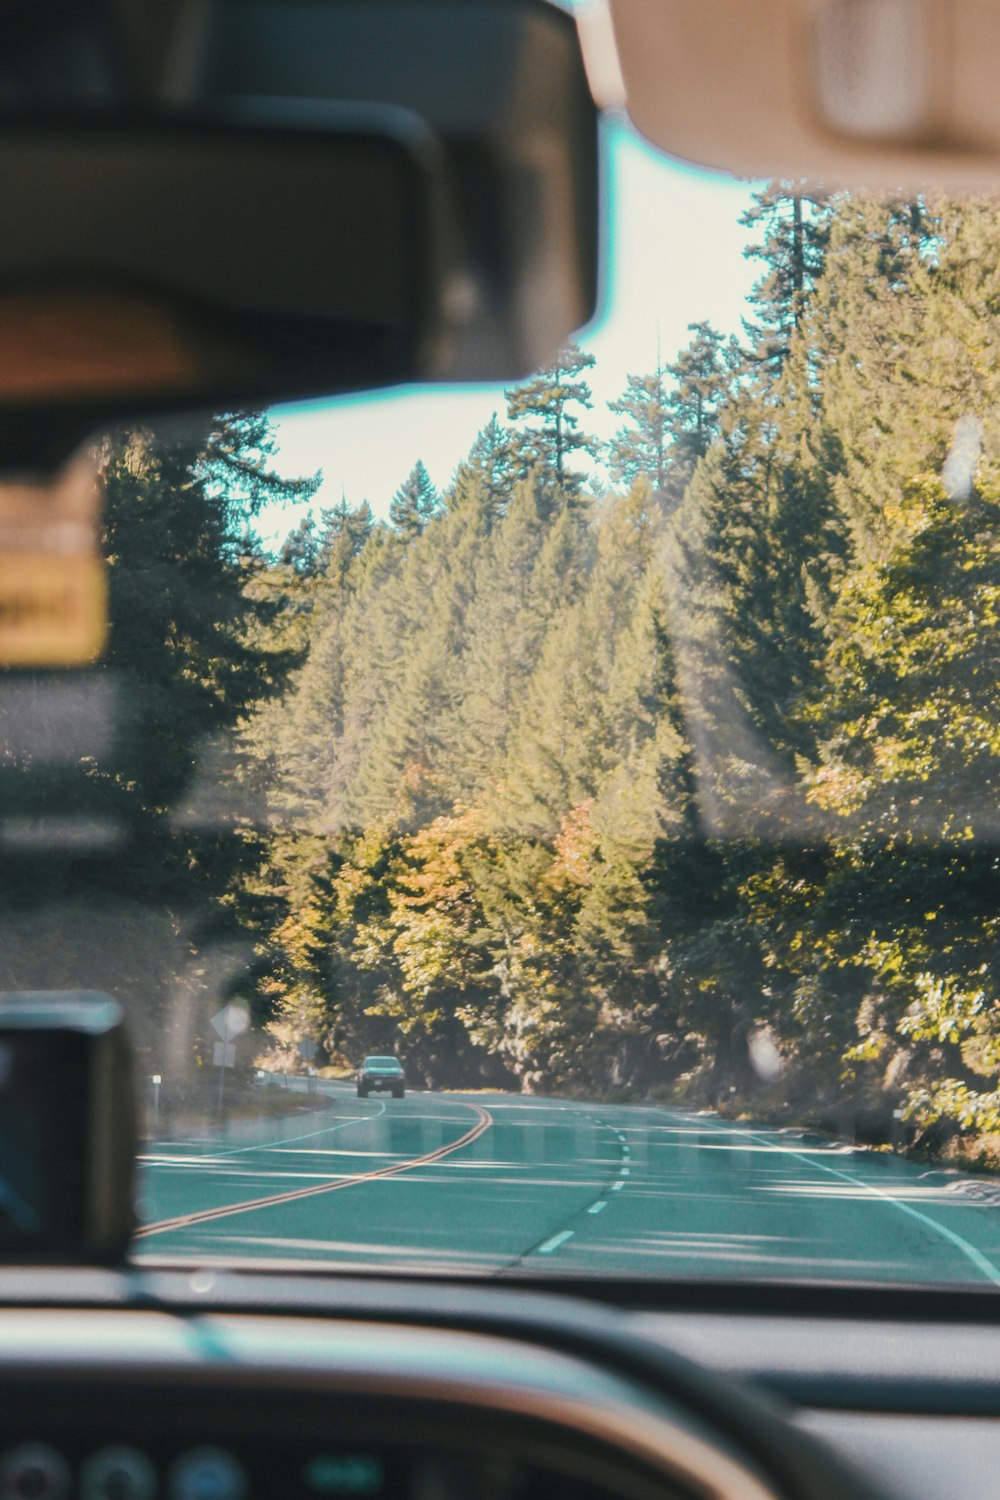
231,1021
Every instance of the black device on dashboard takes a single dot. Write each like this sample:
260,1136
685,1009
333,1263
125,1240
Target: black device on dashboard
67,1128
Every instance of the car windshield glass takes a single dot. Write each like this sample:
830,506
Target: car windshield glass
621,747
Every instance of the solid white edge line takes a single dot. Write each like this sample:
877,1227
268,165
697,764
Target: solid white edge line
975,1255
152,1158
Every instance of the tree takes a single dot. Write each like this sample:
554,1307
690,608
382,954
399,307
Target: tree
178,510
487,476
414,504
794,222
551,434
642,448
343,536
300,547
702,385
191,651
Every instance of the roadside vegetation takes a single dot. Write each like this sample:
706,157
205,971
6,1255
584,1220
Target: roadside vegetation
685,784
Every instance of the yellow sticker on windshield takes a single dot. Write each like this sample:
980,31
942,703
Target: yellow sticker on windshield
53,610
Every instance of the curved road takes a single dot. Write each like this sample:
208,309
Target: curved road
492,1184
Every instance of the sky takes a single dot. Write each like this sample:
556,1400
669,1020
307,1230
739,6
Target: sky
675,257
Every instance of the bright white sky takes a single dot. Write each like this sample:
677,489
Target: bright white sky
676,256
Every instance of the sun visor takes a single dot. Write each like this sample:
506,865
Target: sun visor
858,93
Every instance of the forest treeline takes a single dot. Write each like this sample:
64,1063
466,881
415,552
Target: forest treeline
685,783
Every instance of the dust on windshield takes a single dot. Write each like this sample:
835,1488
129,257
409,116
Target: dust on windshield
640,793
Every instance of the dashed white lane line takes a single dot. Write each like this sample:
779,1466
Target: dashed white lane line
616,1187
555,1242
624,1172
596,1208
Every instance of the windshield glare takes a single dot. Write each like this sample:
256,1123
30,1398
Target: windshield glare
629,764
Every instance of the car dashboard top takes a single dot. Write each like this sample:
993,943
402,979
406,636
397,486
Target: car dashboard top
198,1385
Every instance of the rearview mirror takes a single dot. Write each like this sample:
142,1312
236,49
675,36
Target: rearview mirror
171,266
289,200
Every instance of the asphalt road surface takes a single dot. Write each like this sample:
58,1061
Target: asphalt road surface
492,1184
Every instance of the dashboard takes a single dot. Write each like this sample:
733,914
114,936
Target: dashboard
200,1385
132,1405
177,1385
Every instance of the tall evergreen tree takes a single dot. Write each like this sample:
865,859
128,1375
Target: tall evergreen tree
414,504
701,378
487,473
177,534
300,547
551,433
793,221
642,447
343,536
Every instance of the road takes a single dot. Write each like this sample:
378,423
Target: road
492,1184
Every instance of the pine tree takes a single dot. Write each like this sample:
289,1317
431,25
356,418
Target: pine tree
300,547
342,538
487,474
414,504
794,222
551,434
642,448
178,511
701,388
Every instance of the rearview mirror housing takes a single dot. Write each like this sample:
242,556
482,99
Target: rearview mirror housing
295,199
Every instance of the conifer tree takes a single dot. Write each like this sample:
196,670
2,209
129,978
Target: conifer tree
414,504
342,538
300,547
488,472
701,385
794,223
642,448
551,433
178,511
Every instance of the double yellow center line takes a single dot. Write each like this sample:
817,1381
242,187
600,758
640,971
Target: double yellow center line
335,1185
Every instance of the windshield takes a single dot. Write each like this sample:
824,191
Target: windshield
621,748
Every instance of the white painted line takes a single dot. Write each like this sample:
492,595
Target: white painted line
623,1172
976,1256
616,1187
555,1242
626,1151
288,1140
596,1208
